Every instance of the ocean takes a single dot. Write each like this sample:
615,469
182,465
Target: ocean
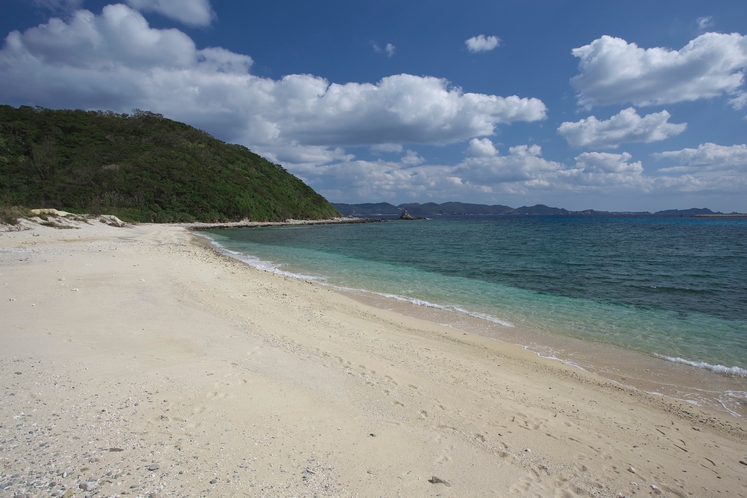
615,296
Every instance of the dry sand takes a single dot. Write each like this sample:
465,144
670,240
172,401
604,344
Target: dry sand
137,361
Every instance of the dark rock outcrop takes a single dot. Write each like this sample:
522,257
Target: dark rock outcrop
407,216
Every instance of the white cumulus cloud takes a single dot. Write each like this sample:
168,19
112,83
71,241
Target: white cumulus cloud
602,168
482,43
525,168
412,158
119,38
523,164
487,175
481,147
352,180
710,167
613,71
189,12
116,61
625,127
483,174
708,156
398,109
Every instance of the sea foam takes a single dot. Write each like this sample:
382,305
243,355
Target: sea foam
271,267
719,369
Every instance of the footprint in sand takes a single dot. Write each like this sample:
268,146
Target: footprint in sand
528,423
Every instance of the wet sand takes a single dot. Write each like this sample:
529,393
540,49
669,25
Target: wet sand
137,361
629,368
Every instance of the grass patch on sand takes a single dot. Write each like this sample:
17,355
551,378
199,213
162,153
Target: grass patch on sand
11,215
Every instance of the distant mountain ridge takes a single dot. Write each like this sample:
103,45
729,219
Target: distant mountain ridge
431,209
452,208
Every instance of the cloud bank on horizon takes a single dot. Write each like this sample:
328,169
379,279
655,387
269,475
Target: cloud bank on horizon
404,136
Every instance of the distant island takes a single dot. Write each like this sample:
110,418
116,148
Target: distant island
430,209
141,167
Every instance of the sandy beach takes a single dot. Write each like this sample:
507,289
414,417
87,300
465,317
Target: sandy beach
138,361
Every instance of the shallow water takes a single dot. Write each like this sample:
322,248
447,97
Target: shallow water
674,289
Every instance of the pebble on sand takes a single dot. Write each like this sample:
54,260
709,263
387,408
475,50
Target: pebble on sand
438,480
87,485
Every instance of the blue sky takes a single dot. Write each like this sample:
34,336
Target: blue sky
636,105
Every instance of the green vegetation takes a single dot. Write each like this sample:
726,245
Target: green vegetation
140,167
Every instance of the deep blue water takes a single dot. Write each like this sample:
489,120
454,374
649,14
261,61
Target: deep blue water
671,287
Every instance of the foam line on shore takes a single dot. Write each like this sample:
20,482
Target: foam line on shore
275,268
257,263
484,316
428,304
719,369
551,356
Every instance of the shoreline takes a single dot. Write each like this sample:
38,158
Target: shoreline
683,380
139,360
197,226
629,368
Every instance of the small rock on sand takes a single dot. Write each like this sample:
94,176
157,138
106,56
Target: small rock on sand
87,485
438,480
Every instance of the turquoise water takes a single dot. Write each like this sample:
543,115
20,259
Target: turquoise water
673,288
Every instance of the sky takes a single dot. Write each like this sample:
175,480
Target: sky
620,106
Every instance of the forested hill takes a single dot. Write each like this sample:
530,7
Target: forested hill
141,167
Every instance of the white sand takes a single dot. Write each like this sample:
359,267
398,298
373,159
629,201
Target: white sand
247,383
